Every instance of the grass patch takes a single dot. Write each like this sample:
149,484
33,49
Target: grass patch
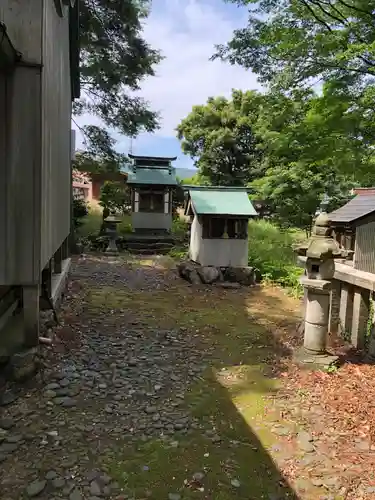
238,332
92,222
271,251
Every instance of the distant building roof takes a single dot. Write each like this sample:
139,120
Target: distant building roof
151,170
357,208
152,158
212,200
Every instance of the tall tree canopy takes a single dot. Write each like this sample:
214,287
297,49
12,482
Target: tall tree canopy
293,42
114,60
220,138
303,146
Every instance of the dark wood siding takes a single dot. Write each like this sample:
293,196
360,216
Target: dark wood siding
364,256
56,126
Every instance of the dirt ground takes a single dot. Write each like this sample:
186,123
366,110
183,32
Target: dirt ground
158,389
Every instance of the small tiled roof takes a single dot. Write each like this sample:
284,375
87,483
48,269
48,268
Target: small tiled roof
152,176
360,206
221,201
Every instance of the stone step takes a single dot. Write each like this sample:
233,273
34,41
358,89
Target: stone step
134,245
149,251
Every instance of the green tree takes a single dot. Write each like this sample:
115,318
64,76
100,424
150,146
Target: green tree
312,146
294,42
114,59
114,197
100,155
219,137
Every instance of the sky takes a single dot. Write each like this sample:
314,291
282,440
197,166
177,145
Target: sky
186,32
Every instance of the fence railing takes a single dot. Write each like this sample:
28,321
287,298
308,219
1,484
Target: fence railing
352,304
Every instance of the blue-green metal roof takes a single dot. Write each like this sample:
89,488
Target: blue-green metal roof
152,176
221,201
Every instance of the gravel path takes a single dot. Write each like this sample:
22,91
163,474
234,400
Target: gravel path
124,409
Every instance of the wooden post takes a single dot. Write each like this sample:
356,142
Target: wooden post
57,259
47,279
65,249
346,309
30,309
361,302
334,314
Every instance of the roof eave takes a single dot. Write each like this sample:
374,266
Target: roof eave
140,157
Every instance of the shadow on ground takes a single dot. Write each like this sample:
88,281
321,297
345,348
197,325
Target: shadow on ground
243,336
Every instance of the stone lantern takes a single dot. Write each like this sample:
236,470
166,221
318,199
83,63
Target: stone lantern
320,268
111,223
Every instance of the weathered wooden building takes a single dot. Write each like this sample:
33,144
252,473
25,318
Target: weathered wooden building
39,78
151,180
219,228
354,228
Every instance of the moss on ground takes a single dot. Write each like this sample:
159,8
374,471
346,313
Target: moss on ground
239,330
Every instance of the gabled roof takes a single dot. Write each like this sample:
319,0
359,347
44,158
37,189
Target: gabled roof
152,158
152,176
357,208
151,170
217,200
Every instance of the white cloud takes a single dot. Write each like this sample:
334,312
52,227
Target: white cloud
186,32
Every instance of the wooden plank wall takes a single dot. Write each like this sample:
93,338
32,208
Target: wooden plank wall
56,133
20,155
23,20
20,176
364,257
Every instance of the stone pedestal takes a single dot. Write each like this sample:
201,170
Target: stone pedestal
316,314
313,353
111,231
320,269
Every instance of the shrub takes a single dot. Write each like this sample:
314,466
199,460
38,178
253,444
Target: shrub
180,228
90,224
80,211
271,252
115,197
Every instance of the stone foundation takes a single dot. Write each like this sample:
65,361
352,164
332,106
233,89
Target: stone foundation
210,275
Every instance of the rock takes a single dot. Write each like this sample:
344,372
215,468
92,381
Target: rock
50,394
35,488
235,483
304,440
75,495
95,489
194,278
24,364
64,382
58,483
208,274
6,423
151,409
7,398
243,275
227,285
51,475
52,386
185,268
65,401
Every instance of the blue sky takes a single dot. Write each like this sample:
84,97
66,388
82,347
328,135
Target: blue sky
185,31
